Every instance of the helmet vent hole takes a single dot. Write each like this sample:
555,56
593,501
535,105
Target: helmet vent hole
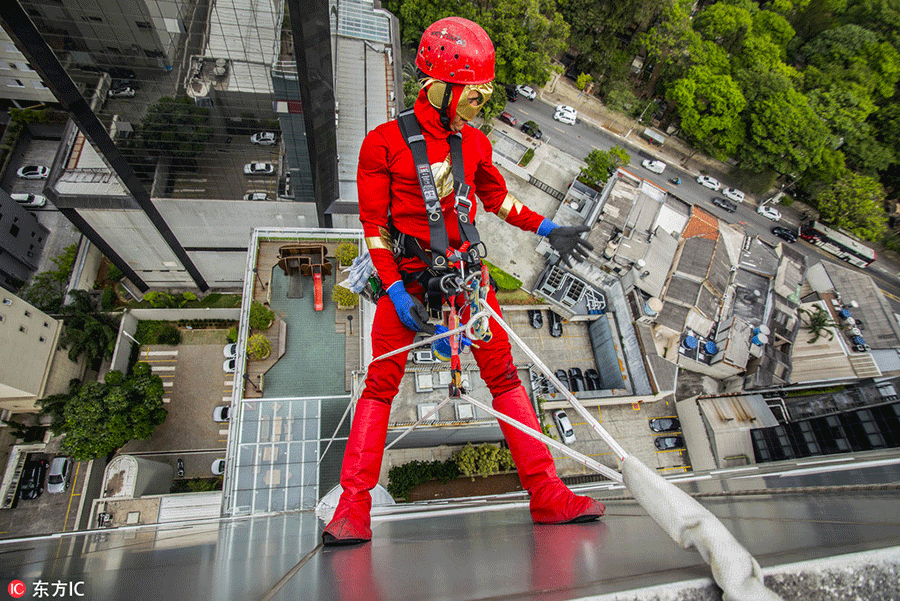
442,48
456,56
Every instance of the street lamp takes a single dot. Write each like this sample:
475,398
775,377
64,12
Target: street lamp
256,273
350,320
249,381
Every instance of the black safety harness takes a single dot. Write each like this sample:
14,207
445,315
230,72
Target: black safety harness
444,263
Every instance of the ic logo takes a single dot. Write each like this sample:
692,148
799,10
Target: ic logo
16,589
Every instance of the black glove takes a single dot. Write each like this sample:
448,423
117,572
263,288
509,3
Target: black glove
568,241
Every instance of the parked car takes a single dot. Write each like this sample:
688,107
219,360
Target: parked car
725,204
511,93
121,73
222,413
31,485
563,108
556,328
563,117
218,467
564,425
256,196
526,92
230,350
769,212
734,194
33,172
124,92
785,234
563,377
710,182
592,379
508,119
576,378
229,365
665,424
551,389
58,477
259,169
29,201
654,166
664,443
264,138
536,318
531,129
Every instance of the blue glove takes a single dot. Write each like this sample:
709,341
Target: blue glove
410,310
441,348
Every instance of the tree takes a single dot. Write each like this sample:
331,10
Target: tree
86,331
601,164
725,24
47,290
856,203
101,417
261,317
818,322
710,107
174,128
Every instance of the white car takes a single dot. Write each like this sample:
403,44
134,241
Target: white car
222,413
264,138
256,196
566,432
734,194
769,212
564,108
654,166
230,350
218,467
33,172
125,92
29,200
259,169
710,182
229,365
58,476
563,117
527,92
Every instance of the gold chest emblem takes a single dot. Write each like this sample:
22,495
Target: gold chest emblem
443,177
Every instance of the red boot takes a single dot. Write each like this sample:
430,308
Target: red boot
359,475
551,501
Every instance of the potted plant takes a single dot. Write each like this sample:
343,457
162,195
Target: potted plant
344,297
346,252
261,317
258,347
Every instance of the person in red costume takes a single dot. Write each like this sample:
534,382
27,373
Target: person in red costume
456,58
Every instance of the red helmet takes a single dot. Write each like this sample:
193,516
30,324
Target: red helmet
456,50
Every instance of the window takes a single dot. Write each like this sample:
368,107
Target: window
7,301
46,324
42,339
23,329
14,230
12,66
144,24
15,83
2,317
27,313
154,53
92,18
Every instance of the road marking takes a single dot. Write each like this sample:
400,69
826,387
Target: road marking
168,384
889,295
157,353
162,368
167,400
226,398
71,496
223,432
229,382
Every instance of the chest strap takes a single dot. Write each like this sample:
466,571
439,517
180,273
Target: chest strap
441,252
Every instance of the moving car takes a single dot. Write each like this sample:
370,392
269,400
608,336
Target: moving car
734,194
577,379
526,92
230,350
58,478
563,377
264,138
536,318
566,431
29,201
592,379
256,196
512,94
654,166
664,443
785,234
229,365
769,212
259,169
508,119
531,129
665,424
218,467
563,117
556,329
725,204
31,485
33,172
710,182
124,92
222,413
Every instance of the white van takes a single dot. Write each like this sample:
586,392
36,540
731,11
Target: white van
654,166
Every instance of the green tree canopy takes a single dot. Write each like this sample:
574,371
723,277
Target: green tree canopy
87,331
100,417
601,164
174,128
856,203
47,290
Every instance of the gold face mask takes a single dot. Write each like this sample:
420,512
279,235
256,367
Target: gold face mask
466,108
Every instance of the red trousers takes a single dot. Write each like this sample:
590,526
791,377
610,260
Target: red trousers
494,358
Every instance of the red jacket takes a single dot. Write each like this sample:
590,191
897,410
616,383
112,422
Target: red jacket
389,189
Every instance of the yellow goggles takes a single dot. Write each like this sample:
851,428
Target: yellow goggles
468,105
